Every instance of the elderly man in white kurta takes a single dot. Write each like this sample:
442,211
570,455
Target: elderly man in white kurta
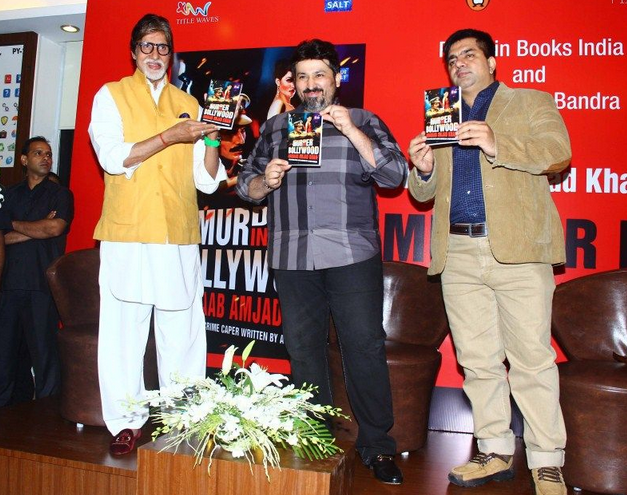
154,157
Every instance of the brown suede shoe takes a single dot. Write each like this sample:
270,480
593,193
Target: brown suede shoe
548,481
483,468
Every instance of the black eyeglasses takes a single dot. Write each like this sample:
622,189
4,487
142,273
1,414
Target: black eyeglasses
146,47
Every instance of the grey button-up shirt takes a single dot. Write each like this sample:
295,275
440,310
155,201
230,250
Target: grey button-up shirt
327,216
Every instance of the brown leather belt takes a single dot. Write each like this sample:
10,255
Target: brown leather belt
469,229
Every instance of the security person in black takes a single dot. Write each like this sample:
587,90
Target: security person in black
40,213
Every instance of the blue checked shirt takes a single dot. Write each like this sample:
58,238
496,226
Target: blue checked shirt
327,216
467,203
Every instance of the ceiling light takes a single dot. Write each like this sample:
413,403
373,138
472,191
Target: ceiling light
68,28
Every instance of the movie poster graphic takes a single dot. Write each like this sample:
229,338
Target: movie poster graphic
304,139
442,115
240,301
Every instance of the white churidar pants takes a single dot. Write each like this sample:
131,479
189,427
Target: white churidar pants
134,279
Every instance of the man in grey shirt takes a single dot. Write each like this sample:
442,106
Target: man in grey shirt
324,246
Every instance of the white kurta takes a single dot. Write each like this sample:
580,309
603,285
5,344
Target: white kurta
158,274
134,278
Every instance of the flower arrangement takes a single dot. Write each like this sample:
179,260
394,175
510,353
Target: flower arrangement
245,411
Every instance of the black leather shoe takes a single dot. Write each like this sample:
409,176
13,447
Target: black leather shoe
385,469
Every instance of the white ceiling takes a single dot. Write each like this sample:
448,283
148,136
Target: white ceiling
44,17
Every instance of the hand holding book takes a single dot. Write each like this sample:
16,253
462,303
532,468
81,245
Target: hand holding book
477,133
421,154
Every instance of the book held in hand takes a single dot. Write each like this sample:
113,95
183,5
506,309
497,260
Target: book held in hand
443,114
222,104
304,139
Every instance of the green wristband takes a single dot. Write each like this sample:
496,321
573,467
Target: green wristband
212,143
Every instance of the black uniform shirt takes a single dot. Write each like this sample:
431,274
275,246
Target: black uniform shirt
26,262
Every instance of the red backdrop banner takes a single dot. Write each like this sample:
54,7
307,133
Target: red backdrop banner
573,50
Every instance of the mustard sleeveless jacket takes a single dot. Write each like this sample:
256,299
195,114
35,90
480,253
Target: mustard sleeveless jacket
157,205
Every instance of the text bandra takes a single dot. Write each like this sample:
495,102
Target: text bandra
597,101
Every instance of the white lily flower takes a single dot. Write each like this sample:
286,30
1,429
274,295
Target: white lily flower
261,378
227,362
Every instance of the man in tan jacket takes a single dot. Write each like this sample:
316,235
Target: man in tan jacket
496,234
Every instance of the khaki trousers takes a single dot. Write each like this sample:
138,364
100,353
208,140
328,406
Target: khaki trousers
501,312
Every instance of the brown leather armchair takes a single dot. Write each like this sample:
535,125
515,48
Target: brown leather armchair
590,324
415,323
73,281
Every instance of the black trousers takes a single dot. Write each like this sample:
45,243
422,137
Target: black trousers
31,318
24,389
353,294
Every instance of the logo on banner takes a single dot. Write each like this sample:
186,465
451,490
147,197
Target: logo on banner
187,8
338,5
477,5
194,14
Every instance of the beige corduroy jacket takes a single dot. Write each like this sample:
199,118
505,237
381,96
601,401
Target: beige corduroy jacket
523,223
